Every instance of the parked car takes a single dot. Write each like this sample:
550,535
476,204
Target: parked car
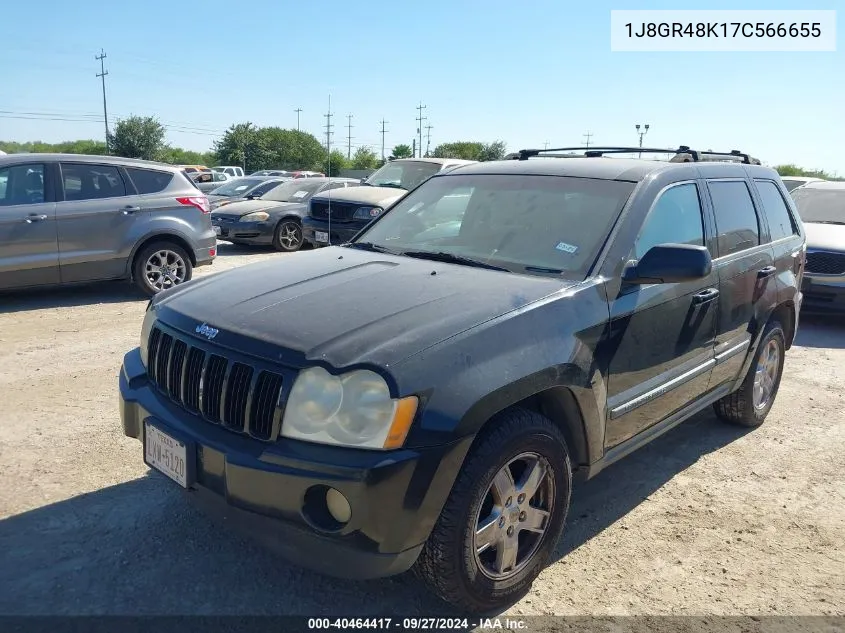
241,189
308,174
336,216
211,181
402,401
193,169
793,182
233,171
272,172
68,218
821,205
275,217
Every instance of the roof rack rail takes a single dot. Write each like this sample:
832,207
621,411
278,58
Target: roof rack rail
683,154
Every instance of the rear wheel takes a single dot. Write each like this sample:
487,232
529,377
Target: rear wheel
161,265
504,516
751,403
288,236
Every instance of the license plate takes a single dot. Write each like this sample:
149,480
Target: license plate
321,236
217,230
166,454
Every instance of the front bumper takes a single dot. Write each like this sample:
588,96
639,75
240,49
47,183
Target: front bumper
340,233
261,487
230,230
823,294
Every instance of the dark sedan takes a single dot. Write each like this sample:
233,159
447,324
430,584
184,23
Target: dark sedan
274,218
242,189
821,206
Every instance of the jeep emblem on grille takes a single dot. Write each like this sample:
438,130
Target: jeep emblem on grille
207,331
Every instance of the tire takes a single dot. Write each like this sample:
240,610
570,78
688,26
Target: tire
287,238
449,564
161,251
740,407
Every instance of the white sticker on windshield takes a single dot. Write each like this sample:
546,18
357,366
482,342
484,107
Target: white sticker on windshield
241,188
300,194
416,207
567,248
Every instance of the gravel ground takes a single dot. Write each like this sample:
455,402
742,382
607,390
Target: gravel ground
708,519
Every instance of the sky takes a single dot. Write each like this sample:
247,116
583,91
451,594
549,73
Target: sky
527,73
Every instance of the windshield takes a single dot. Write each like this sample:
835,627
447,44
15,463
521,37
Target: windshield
820,205
293,191
525,224
404,175
238,187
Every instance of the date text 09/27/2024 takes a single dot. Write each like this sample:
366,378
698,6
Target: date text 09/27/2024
417,624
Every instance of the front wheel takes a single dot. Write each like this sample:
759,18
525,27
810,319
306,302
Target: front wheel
288,236
504,516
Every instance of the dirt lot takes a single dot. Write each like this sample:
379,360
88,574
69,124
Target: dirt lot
706,520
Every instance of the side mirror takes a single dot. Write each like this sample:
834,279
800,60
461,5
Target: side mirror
670,264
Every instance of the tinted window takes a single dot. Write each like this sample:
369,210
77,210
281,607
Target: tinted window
826,205
292,191
543,225
736,220
21,184
792,184
89,182
149,181
780,220
403,175
675,218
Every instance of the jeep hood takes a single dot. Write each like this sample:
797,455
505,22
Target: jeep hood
345,306
825,237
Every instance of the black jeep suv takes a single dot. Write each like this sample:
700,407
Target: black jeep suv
425,395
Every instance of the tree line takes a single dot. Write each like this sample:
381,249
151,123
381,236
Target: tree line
254,148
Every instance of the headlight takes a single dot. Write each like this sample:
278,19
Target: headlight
146,327
258,216
367,213
354,409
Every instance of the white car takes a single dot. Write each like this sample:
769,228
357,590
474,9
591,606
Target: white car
232,171
792,182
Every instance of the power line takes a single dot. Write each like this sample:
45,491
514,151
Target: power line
420,118
587,138
298,110
348,136
428,139
383,132
102,75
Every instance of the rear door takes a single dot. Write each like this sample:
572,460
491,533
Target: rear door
28,247
94,216
747,274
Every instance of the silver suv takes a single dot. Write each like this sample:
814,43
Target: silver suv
68,218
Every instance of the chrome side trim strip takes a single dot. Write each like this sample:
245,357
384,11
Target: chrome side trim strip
721,357
666,387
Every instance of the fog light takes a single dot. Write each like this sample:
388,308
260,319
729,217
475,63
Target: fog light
338,506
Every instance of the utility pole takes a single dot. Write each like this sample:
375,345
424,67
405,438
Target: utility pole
420,119
414,150
348,136
642,134
328,115
545,145
102,75
428,139
298,110
383,132
588,136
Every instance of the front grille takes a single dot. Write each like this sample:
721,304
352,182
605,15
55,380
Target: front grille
341,212
233,394
824,263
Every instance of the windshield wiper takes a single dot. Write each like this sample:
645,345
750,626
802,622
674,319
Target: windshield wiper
392,185
369,246
543,269
450,258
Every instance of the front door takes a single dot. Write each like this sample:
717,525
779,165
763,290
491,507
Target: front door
661,335
28,250
94,219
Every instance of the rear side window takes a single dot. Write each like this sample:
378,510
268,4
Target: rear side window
737,225
84,181
781,223
148,180
675,218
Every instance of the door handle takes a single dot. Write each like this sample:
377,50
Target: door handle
129,210
768,271
34,217
704,296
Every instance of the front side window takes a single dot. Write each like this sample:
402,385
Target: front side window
542,225
737,225
90,182
21,184
403,175
780,219
675,218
